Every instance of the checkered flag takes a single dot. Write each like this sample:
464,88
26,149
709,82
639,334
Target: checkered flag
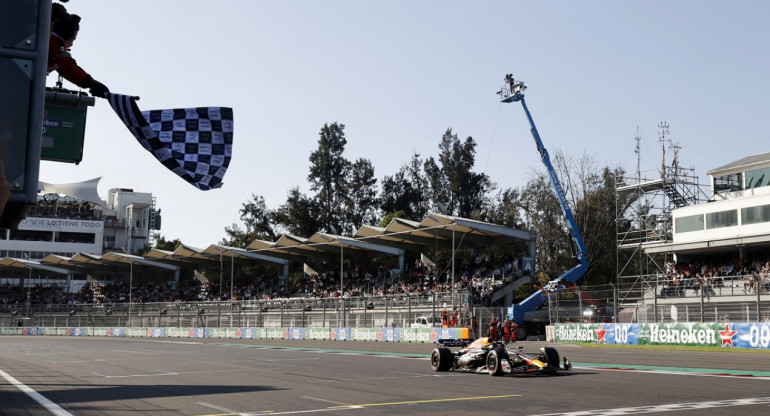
194,143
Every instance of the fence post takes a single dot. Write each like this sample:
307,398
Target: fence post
701,302
655,302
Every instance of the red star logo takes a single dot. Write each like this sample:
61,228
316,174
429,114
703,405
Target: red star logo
433,336
286,334
379,335
238,333
334,334
727,335
109,332
600,333
192,334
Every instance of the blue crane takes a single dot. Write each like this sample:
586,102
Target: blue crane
513,91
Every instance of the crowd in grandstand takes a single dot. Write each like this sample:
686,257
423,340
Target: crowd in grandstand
753,276
55,207
481,275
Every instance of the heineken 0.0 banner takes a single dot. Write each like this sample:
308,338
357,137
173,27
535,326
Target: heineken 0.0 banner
728,335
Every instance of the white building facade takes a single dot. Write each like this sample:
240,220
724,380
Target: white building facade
79,222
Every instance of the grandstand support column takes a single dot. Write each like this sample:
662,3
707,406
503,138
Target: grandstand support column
342,285
130,291
409,299
702,301
655,302
452,291
232,275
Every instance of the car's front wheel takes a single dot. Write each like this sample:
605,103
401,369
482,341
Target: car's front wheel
441,359
494,363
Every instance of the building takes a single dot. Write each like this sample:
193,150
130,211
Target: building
735,222
72,218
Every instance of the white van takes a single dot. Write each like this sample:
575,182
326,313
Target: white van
426,322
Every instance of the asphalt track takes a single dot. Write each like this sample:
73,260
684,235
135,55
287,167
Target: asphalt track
119,376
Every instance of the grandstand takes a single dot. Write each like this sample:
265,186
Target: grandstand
452,263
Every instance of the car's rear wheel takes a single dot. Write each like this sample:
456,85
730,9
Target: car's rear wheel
494,363
441,359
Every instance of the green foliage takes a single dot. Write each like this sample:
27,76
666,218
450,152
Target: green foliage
258,220
388,218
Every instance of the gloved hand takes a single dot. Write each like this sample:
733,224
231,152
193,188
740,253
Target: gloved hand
98,89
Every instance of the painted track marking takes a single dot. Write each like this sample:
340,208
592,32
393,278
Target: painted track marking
673,407
51,406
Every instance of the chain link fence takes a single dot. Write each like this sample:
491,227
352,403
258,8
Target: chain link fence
381,311
734,299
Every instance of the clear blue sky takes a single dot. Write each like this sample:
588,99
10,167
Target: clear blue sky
399,73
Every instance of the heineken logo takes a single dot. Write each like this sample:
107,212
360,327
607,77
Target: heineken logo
575,333
682,335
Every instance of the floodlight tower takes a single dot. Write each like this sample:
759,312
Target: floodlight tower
513,91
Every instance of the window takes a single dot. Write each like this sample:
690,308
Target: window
689,223
728,183
755,215
757,178
722,219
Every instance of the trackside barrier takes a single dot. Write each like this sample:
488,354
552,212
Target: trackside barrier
727,335
426,335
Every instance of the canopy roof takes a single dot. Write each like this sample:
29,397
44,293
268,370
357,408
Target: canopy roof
9,263
439,230
109,261
84,191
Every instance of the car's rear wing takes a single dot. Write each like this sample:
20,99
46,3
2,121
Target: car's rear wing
451,342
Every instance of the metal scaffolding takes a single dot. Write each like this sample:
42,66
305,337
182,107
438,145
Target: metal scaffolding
644,205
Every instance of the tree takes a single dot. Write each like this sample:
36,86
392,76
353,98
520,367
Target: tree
161,244
362,202
505,209
329,171
454,188
404,191
299,215
543,216
258,220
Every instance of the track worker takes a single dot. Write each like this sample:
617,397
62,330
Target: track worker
507,329
64,31
494,335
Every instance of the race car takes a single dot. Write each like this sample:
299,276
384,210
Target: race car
494,358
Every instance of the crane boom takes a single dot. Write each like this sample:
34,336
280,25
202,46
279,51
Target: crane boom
513,91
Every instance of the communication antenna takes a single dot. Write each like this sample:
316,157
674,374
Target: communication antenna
662,133
675,147
638,152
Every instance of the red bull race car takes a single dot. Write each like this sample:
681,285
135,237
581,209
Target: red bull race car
494,358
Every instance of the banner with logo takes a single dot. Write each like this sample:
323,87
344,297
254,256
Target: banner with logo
223,333
54,331
295,333
248,333
176,332
364,334
156,332
318,333
388,335
417,335
728,335
340,334
199,332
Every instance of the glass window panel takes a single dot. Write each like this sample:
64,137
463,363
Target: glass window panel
689,223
